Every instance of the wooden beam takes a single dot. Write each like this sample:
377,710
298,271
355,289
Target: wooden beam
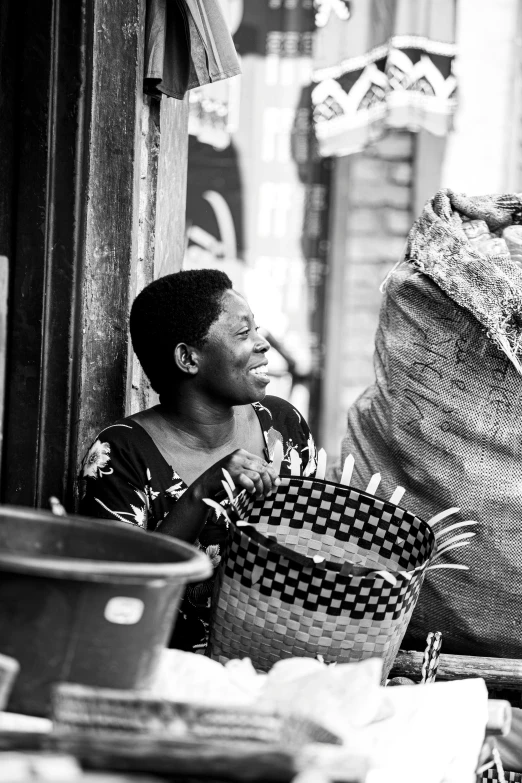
497,672
110,212
172,187
141,393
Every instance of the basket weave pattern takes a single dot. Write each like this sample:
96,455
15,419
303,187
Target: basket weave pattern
273,601
492,776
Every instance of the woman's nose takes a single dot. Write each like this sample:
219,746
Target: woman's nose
262,345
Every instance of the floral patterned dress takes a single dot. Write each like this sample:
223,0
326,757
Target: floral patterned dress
124,476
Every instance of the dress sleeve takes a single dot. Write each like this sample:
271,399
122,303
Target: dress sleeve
114,478
304,441
281,421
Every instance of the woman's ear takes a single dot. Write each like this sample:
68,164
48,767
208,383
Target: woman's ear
186,358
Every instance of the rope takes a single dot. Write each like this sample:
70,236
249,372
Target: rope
430,662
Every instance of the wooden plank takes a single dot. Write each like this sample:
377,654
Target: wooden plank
172,187
141,394
161,244
497,672
110,210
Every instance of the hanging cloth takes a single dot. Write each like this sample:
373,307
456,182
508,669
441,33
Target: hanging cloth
187,44
388,65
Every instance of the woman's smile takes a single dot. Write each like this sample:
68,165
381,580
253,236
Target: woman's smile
260,373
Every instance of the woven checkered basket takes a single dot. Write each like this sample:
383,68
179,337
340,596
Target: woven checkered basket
492,776
318,568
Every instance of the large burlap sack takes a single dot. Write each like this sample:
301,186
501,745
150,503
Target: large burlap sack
444,419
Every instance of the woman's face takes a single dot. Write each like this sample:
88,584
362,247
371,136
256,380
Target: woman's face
232,362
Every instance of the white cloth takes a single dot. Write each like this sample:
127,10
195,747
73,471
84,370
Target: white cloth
434,735
412,734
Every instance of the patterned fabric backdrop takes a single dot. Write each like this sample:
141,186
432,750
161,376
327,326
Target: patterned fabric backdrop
382,64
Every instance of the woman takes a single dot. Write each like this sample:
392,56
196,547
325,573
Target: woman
198,344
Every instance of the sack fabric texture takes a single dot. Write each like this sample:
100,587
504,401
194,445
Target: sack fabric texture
273,600
444,418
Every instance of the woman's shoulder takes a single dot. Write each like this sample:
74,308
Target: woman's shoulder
124,432
279,410
123,443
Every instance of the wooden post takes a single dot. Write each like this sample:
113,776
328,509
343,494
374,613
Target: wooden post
110,212
134,213
497,672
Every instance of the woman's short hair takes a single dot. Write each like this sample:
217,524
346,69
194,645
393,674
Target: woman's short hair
177,308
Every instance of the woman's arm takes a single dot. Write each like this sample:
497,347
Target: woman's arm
247,471
120,479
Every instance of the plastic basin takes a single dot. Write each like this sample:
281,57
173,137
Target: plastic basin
86,601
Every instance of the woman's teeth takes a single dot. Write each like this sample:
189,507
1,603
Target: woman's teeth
259,371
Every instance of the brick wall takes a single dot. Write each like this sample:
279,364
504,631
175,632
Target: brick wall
373,212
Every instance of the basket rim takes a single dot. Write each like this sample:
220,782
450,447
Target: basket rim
304,560
287,479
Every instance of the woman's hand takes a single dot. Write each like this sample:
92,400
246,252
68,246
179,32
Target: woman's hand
248,471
